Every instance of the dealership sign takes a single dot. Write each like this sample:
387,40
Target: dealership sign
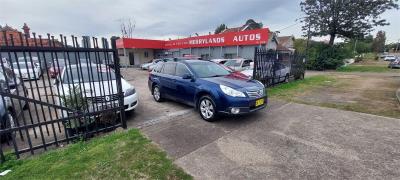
249,37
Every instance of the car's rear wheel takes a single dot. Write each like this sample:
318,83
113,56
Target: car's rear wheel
207,108
287,78
157,93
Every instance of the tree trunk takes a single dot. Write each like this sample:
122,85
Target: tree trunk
332,39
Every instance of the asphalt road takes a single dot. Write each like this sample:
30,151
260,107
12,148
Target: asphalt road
284,141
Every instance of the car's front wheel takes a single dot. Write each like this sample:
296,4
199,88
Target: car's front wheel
9,123
207,108
157,93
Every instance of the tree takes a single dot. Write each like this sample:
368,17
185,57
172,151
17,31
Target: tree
253,24
344,18
378,45
220,28
127,27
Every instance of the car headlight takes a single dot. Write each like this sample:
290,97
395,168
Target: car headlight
129,92
231,92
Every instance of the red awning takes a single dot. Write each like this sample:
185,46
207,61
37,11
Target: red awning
249,37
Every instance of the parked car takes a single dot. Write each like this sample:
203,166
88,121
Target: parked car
389,58
26,70
282,73
150,68
394,64
11,108
56,67
146,66
238,64
219,61
207,86
41,65
7,118
70,78
5,62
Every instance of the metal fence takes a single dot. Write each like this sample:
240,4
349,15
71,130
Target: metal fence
274,67
54,91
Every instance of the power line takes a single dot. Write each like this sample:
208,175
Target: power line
287,27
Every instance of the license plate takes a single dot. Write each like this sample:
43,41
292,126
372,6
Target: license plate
259,102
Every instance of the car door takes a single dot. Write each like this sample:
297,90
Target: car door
185,88
167,80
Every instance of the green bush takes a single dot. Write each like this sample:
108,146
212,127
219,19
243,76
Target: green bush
330,58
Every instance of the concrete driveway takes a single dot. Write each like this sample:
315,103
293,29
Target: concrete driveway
284,141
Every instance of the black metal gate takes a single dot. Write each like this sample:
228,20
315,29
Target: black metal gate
274,67
56,90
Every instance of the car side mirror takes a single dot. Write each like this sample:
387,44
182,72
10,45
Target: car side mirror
187,76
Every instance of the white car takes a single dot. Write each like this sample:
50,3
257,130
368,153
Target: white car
5,62
238,64
389,58
100,91
26,71
282,73
146,66
219,61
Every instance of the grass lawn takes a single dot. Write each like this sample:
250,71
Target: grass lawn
370,94
120,155
369,68
289,90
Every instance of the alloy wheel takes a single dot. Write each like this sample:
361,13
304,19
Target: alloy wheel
207,109
156,93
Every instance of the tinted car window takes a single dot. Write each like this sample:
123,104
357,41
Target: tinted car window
208,69
169,68
246,63
181,69
158,68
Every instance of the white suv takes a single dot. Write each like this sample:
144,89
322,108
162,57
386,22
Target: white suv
95,86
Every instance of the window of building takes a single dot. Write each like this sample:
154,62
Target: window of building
146,54
229,56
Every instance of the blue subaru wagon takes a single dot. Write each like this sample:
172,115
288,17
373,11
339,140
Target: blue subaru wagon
209,87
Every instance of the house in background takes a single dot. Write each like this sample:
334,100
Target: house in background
286,44
11,36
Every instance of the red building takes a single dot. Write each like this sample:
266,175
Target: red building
229,44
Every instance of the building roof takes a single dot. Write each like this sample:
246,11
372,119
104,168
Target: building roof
285,40
8,28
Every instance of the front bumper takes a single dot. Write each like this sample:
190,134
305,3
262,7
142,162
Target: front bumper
131,102
245,105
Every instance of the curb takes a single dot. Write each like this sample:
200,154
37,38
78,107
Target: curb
398,94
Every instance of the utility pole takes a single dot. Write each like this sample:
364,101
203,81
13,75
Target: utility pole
397,47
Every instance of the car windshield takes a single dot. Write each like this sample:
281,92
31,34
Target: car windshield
88,74
208,69
233,62
22,65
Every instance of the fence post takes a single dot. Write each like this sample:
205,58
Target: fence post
118,79
255,63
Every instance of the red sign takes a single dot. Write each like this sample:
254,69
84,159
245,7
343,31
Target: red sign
250,37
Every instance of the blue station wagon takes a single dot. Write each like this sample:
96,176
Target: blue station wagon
209,87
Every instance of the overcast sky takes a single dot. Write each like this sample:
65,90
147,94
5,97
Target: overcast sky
159,19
